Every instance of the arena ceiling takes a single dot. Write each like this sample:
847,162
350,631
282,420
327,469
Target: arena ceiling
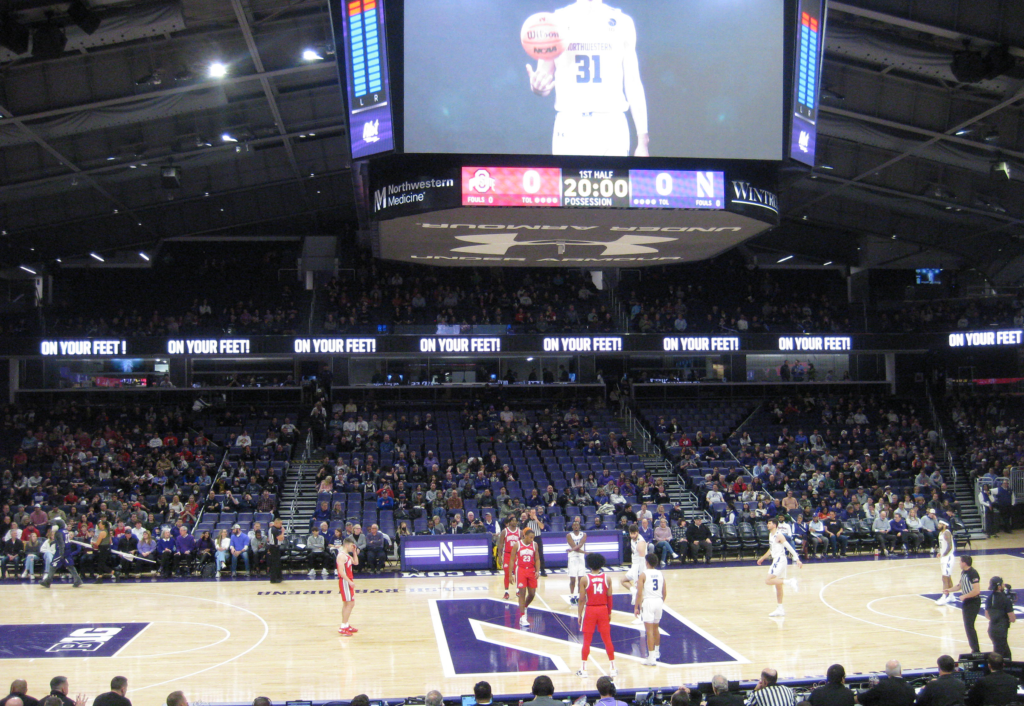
910,160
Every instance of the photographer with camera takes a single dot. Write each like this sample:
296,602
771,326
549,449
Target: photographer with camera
999,609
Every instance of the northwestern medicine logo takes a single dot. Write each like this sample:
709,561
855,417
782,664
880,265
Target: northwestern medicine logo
408,192
66,640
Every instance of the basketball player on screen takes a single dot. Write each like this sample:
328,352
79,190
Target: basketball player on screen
508,540
595,610
596,80
347,558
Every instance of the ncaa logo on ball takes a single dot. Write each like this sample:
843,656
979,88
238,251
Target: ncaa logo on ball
542,37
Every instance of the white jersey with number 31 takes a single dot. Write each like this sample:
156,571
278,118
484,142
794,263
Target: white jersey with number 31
589,73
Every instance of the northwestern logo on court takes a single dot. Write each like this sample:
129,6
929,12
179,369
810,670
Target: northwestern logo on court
447,550
470,637
500,243
66,640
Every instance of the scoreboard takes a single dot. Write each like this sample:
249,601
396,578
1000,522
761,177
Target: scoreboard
592,188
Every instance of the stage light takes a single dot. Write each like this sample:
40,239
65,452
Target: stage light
85,18
226,137
28,269
218,70
94,256
788,257
827,263
311,55
144,256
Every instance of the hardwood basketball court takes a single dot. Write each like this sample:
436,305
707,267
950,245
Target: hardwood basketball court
229,641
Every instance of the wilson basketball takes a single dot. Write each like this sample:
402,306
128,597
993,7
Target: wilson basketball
541,37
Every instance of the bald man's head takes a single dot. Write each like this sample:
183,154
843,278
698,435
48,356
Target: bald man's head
893,668
15,701
19,686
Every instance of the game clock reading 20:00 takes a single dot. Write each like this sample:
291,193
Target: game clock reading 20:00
598,188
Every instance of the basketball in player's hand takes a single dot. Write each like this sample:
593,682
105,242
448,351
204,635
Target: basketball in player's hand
541,37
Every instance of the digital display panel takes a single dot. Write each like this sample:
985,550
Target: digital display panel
806,80
366,79
662,78
592,188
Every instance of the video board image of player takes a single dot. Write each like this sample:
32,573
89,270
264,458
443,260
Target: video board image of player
661,78
595,74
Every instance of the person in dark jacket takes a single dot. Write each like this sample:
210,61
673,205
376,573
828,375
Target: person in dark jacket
698,539
19,690
945,689
834,692
116,695
891,691
997,688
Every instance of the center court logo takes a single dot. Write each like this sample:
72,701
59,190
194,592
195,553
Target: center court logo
501,243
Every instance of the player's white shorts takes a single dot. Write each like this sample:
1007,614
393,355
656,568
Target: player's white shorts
633,575
779,567
593,134
650,611
947,562
577,565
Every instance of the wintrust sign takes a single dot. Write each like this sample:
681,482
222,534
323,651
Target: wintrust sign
745,194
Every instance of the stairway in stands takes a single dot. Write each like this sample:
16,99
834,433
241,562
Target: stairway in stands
960,481
298,499
660,467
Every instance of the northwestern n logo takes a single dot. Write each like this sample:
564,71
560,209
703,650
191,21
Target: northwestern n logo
482,636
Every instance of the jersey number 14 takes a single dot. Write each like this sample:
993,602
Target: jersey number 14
584,64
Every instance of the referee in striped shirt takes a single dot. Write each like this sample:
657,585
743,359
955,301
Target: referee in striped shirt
970,599
769,693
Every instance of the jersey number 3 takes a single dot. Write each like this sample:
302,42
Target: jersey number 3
654,585
583,68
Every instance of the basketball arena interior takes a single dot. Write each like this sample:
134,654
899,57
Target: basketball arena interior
419,352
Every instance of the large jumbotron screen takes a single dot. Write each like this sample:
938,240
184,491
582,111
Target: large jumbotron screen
701,78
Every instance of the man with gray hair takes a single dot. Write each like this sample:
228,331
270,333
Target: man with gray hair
433,698
721,695
891,691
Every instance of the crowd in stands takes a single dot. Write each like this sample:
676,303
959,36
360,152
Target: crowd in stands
691,299
141,475
468,470
952,315
823,463
376,294
220,289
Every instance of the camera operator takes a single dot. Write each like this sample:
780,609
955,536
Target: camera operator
999,609
997,688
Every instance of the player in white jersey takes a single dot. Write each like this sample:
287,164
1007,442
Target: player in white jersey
778,546
577,568
947,559
651,594
638,546
596,80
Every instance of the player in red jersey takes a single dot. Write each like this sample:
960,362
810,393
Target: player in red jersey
347,558
527,561
508,540
595,608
